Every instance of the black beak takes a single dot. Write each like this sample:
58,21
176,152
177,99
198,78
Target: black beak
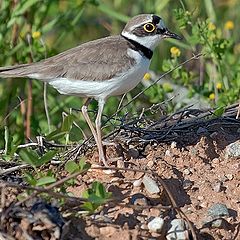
169,34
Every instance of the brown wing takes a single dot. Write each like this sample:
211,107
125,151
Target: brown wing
97,60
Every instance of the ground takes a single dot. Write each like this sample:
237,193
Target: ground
177,167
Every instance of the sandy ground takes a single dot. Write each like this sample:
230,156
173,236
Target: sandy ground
195,163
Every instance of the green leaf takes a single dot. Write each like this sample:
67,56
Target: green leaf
29,156
45,181
56,135
97,194
88,206
29,178
219,111
22,7
67,123
83,165
71,166
47,157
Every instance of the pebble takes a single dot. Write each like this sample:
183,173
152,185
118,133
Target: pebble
218,210
229,176
150,164
202,130
150,185
109,171
168,153
178,230
137,183
217,187
233,150
214,135
186,171
217,223
215,214
133,152
115,180
215,161
139,199
200,198
193,151
102,218
156,224
187,184
173,145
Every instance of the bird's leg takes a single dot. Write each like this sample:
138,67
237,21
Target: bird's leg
88,120
98,122
96,134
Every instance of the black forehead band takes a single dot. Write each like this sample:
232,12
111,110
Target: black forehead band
155,19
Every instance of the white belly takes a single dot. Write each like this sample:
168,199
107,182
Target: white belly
102,90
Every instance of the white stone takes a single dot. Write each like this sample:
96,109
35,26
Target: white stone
177,230
150,185
137,183
156,224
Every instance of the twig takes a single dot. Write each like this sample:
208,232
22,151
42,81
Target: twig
16,107
238,112
13,169
51,186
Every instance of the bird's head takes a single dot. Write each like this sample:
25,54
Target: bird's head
148,30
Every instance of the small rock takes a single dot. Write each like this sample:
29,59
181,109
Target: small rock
109,171
215,161
102,218
217,223
193,151
178,230
150,185
173,145
139,199
168,153
150,164
229,176
218,210
200,198
214,135
156,225
133,152
107,231
217,187
137,183
144,227
202,130
186,171
120,164
187,184
233,149
115,180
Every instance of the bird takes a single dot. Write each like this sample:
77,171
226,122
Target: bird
100,68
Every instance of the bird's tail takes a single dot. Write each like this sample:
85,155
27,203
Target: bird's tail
16,71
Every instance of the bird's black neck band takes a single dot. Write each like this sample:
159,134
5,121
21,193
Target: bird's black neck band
139,47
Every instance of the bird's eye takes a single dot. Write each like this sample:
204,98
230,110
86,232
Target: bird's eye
149,27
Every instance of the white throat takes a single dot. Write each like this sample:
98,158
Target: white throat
149,41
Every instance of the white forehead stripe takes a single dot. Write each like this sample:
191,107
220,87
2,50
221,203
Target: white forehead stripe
149,19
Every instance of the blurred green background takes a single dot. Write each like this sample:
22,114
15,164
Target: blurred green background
31,30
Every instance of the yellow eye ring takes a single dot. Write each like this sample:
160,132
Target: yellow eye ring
149,27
